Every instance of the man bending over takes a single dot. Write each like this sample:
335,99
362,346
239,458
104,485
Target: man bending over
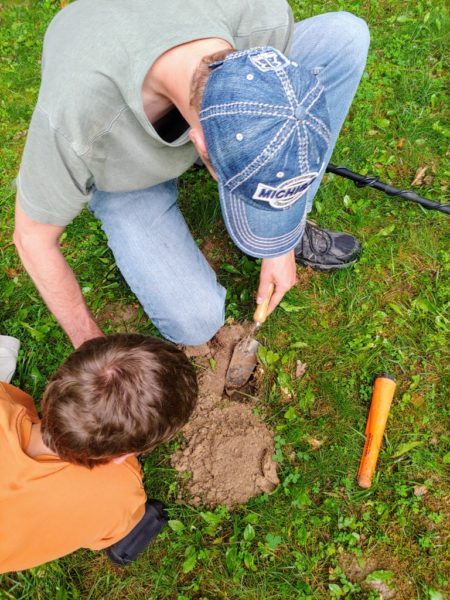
131,94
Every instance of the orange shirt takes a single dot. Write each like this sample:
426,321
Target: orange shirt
49,507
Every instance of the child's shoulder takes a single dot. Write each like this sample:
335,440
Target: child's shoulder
11,394
111,495
108,479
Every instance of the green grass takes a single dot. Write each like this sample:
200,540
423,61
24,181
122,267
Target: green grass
388,313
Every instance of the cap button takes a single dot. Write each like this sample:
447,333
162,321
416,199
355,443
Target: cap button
300,113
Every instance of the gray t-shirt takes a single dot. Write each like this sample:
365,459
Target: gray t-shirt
89,129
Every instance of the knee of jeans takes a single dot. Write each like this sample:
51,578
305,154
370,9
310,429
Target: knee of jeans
200,329
356,30
197,325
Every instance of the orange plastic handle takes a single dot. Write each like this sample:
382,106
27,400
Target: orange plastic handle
382,396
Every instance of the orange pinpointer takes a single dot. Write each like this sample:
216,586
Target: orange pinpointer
383,393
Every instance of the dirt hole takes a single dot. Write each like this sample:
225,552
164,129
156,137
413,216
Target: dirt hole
227,450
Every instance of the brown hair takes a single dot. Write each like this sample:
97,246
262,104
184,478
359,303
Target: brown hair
201,75
115,395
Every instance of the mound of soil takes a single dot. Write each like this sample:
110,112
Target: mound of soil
228,450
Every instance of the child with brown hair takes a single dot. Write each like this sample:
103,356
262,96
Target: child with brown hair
71,479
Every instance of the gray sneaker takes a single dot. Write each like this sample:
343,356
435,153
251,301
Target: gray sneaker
325,250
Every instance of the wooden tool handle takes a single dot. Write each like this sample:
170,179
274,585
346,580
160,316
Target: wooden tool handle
261,310
383,393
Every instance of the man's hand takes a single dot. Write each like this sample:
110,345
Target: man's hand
282,272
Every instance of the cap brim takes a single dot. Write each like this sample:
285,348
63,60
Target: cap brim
262,232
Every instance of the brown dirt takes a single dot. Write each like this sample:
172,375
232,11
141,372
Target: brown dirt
123,317
357,571
228,450
214,248
304,276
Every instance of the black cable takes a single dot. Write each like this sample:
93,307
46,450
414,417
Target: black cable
370,181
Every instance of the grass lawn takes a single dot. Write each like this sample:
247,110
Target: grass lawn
319,535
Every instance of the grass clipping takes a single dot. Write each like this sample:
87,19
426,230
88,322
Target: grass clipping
227,451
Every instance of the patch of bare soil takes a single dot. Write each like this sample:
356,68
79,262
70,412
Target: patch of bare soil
124,317
304,276
214,248
396,557
228,450
358,571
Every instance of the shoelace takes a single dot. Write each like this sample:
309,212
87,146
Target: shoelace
315,237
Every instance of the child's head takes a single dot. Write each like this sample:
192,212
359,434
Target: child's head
115,395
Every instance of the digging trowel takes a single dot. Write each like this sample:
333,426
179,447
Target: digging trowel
243,360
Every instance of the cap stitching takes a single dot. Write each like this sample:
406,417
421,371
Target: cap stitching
259,161
303,147
228,105
314,118
325,131
314,100
270,150
318,91
273,153
298,149
311,91
249,237
287,87
246,111
240,54
318,131
247,52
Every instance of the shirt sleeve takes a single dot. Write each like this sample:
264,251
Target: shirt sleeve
122,507
53,183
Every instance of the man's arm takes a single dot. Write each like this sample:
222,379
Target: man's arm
39,250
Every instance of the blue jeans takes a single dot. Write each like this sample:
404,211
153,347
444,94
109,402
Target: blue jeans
147,233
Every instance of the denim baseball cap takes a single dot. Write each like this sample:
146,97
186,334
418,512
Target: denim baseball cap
267,130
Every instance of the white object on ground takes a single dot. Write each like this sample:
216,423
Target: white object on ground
9,349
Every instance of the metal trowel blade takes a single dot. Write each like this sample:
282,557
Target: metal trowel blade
242,363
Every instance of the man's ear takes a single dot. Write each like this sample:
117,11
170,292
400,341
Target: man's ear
121,459
198,139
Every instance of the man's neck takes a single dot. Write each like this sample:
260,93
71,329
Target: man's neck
168,82
36,445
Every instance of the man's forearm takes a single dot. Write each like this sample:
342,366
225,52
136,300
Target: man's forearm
60,290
